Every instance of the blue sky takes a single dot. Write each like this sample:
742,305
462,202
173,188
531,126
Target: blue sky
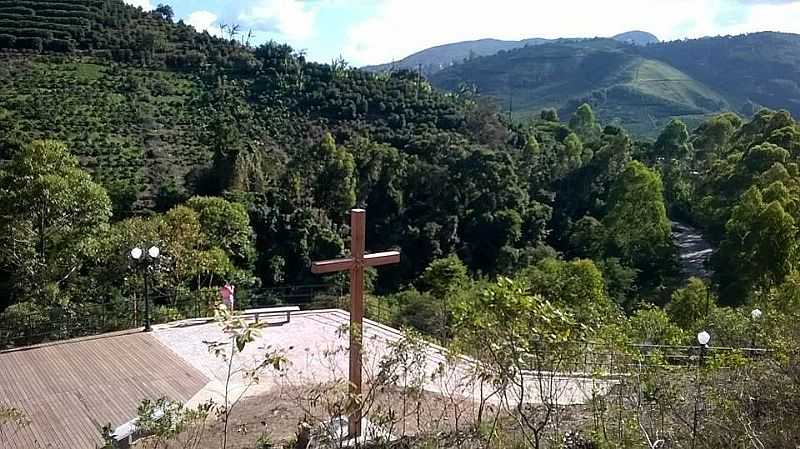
375,31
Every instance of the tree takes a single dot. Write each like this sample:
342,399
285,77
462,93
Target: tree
50,211
444,277
712,138
520,340
587,238
651,325
584,123
690,305
577,286
227,226
673,142
760,247
637,224
335,185
165,12
549,115
444,280
573,156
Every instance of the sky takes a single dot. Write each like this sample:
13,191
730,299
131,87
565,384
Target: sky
378,31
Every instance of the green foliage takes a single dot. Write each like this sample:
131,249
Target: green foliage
730,327
673,142
620,283
587,238
760,247
226,225
577,286
163,420
50,210
584,123
444,277
506,314
691,305
421,311
337,164
651,325
637,224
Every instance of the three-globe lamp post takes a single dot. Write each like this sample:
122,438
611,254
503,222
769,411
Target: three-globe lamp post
146,261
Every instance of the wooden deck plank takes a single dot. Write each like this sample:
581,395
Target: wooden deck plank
70,389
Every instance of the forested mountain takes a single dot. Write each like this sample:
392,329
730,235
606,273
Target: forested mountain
640,87
241,162
434,59
293,144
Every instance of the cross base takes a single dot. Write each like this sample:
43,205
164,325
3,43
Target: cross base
337,429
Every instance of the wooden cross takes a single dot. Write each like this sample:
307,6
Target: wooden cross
355,264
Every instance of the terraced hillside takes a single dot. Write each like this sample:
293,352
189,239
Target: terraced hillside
108,29
135,128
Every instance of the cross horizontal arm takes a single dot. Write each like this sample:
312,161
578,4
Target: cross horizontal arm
383,258
329,266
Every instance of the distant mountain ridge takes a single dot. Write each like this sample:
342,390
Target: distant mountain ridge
433,59
640,87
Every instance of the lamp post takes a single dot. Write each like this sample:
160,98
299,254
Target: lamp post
755,315
146,262
702,338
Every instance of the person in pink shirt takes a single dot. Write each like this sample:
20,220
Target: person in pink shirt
227,295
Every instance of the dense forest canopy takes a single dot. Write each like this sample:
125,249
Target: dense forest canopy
288,146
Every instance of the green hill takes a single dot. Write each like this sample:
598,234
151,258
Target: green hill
751,70
642,94
640,87
434,59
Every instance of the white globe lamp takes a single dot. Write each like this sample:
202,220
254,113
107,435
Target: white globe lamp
136,253
703,338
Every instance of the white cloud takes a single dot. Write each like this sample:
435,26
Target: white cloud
293,19
402,27
144,4
203,21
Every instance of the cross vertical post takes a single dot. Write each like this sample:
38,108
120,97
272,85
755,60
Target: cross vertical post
357,225
355,265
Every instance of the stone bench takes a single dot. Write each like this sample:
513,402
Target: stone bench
255,313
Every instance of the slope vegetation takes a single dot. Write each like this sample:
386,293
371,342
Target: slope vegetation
752,70
642,94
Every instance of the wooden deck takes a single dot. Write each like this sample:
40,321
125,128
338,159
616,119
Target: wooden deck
69,390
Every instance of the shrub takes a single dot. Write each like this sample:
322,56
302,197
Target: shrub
16,10
38,24
7,41
59,45
28,32
33,43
